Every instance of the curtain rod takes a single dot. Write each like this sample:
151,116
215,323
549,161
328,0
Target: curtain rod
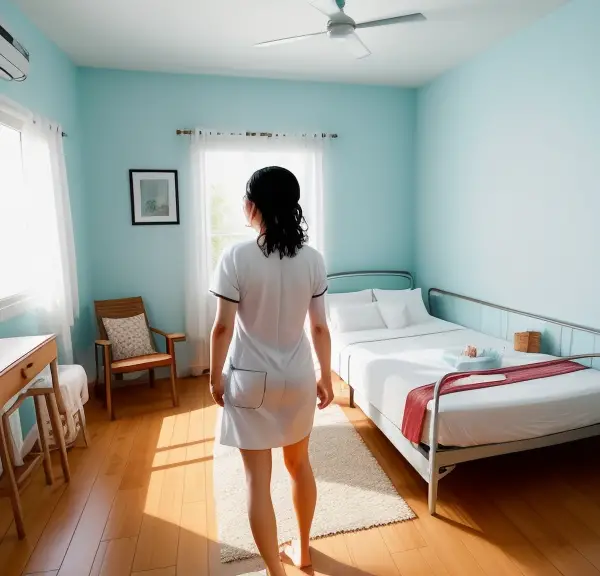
263,134
63,134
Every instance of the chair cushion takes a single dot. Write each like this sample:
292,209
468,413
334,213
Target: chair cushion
141,363
129,336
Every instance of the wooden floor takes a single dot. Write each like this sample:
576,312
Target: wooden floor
140,502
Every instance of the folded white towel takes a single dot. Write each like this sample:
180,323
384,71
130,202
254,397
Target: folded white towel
478,379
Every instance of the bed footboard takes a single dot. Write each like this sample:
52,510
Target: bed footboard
457,455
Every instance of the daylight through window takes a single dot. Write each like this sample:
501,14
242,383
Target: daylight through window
227,173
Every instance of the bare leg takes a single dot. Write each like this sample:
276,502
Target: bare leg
304,493
258,466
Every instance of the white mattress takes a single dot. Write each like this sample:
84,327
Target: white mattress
385,365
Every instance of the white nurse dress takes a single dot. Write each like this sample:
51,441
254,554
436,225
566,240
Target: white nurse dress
270,384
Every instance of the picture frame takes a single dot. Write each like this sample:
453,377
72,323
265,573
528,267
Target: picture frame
154,197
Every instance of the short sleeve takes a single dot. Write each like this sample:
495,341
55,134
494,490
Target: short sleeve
320,277
225,281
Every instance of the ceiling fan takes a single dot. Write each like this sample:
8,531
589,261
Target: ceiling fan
342,27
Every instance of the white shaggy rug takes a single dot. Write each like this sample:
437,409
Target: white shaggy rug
354,493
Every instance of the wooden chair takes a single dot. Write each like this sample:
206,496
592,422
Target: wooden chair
126,308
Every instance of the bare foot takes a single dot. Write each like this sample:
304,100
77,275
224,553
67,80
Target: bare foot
299,558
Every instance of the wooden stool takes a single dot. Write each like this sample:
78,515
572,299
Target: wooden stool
17,481
72,383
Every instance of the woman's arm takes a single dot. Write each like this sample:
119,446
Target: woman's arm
322,344
220,338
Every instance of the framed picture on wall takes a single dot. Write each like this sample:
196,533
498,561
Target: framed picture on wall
154,197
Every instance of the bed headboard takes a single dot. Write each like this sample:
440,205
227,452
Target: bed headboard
558,338
365,279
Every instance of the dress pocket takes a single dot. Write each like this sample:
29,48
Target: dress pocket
246,388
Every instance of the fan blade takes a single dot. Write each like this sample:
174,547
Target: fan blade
396,20
287,40
327,7
356,46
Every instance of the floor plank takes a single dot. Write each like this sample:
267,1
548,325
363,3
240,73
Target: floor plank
151,522
114,558
491,558
412,563
369,553
500,531
195,471
436,565
6,517
171,571
139,467
402,536
330,556
568,560
159,534
126,514
192,553
550,506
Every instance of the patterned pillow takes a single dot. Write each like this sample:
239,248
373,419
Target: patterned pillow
129,336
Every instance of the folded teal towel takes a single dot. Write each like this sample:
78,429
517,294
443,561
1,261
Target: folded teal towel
488,360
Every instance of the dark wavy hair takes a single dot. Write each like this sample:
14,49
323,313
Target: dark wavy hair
275,192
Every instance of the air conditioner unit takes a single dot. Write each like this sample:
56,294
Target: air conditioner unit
14,58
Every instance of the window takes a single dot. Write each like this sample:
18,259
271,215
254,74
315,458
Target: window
228,171
14,254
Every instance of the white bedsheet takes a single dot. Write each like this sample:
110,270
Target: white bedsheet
385,365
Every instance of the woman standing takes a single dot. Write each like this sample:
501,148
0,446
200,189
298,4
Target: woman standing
261,366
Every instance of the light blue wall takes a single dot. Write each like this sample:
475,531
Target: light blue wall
129,121
509,171
51,90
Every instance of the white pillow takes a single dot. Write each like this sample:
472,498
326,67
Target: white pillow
347,299
356,317
413,299
394,314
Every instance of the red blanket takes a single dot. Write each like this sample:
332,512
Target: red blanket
417,400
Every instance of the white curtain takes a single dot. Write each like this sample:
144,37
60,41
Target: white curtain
197,320
54,292
47,243
221,164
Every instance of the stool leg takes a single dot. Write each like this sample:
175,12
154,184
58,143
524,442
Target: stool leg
58,434
9,440
43,441
56,387
15,501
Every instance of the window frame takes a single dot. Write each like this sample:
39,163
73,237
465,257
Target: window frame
18,303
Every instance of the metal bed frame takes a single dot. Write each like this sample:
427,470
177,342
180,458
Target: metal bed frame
374,273
442,460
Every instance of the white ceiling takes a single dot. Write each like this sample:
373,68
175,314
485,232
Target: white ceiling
216,36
